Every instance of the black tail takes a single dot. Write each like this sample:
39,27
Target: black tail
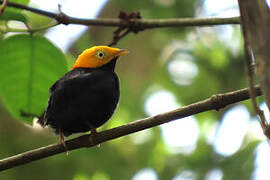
41,118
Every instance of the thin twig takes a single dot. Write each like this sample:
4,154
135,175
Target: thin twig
123,31
250,69
250,72
4,5
213,103
143,23
43,28
116,40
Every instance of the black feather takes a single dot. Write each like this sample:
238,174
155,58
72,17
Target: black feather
82,99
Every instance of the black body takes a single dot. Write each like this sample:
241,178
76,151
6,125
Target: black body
83,99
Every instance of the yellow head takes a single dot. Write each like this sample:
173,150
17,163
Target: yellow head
98,56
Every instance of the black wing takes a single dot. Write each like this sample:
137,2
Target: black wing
78,99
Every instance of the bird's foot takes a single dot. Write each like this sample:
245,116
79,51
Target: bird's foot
62,141
92,135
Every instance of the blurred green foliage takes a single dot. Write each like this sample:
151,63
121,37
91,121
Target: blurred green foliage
30,64
13,13
10,15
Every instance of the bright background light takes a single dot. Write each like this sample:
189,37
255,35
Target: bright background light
182,69
232,130
262,162
63,35
215,174
144,174
185,175
221,8
173,132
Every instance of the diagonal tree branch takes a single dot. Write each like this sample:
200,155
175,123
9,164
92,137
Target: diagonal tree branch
255,18
249,63
143,23
215,102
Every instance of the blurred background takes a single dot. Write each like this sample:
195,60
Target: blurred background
167,68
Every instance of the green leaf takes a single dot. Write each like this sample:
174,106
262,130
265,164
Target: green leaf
29,65
23,2
13,15
12,9
36,21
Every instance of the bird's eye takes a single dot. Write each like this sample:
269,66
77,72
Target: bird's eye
100,54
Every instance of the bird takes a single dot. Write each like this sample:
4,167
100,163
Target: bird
86,97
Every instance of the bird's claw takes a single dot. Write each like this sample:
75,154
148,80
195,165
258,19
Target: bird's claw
92,135
62,141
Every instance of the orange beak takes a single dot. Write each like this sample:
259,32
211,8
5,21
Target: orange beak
122,52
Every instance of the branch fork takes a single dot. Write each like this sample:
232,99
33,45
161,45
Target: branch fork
128,24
